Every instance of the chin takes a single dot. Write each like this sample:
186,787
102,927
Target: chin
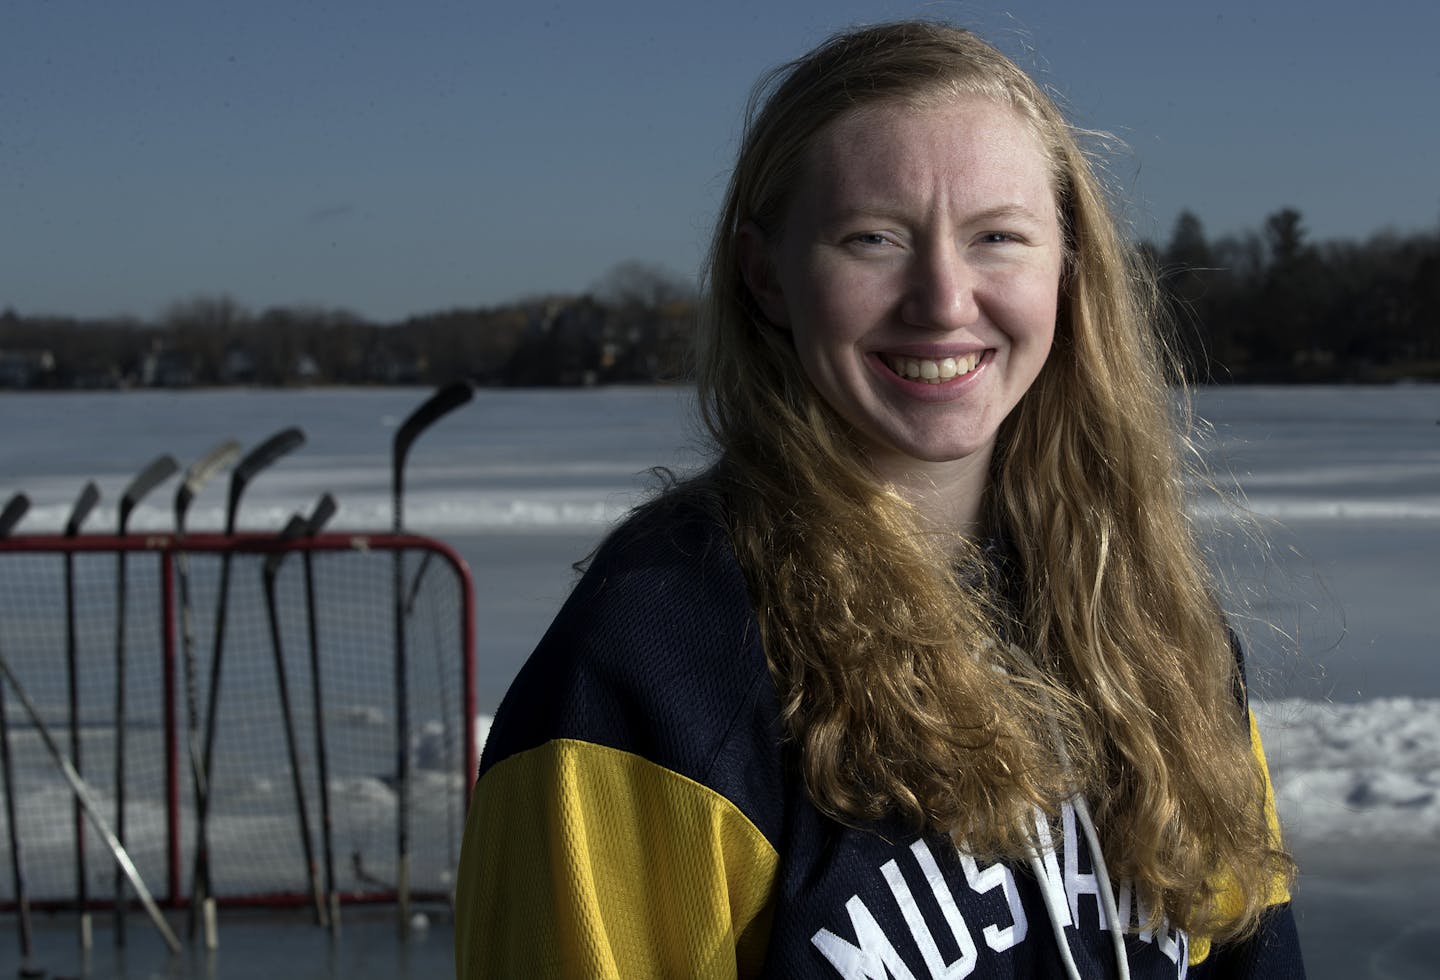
929,451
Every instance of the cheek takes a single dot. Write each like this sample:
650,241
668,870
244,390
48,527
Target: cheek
815,346
1045,326
823,310
1041,343
1038,310
1032,331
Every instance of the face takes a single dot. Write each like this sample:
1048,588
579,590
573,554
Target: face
918,270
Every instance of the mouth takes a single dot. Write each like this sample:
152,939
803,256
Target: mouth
928,371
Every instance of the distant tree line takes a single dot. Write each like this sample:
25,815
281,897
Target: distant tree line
1272,306
1259,306
635,326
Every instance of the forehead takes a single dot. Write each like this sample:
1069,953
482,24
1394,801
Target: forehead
966,146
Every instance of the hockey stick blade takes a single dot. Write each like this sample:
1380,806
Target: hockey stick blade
256,460
89,497
320,516
15,509
154,474
442,402
294,528
199,474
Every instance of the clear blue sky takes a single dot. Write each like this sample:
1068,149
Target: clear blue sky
393,158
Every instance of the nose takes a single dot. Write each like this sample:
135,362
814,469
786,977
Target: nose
940,293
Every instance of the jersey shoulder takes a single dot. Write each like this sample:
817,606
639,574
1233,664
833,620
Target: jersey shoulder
656,652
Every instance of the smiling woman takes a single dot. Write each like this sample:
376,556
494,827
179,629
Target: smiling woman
924,675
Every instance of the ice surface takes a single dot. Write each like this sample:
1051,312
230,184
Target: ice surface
1355,773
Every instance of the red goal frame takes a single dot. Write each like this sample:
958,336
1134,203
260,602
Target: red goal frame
167,547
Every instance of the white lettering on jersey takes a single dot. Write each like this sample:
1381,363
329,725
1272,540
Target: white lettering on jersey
1174,943
1077,884
871,958
1169,938
1053,882
969,955
983,881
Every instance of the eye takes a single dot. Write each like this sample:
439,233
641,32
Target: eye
870,238
999,237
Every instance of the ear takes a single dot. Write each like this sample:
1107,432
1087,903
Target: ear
758,267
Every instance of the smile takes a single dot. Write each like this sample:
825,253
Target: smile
932,371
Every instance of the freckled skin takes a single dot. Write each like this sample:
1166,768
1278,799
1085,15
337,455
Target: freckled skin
922,233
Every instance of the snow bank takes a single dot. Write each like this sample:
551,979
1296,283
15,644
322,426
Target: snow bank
1367,771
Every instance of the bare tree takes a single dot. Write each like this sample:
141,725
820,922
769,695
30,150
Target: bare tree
642,284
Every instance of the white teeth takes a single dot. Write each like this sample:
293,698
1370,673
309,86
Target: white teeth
932,372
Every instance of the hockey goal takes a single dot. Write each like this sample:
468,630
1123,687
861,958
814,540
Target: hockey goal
311,669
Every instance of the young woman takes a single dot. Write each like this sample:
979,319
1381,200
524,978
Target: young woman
924,677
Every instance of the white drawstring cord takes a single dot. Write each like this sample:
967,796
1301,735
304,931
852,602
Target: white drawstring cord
1037,868
1107,894
1057,915
1097,857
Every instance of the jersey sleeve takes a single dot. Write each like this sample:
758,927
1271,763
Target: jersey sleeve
581,860
631,785
1273,952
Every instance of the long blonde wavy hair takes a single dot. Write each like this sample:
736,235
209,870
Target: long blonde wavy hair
894,660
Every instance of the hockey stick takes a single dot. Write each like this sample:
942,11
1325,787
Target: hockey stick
324,510
294,529
195,477
15,509
85,503
439,404
156,472
92,810
256,460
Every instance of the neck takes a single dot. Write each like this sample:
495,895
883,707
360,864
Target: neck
948,495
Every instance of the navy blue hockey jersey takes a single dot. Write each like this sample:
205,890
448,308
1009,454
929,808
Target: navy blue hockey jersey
638,814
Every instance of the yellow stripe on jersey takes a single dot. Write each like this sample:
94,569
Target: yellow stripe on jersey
1279,889
586,861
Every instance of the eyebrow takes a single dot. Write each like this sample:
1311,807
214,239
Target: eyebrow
1000,212
1003,211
